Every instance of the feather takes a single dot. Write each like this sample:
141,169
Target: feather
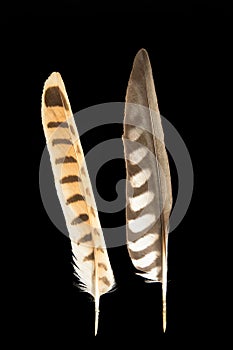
148,186
74,190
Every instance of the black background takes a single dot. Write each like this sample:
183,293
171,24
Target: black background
93,48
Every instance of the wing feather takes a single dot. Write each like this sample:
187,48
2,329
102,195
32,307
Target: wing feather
149,194
91,262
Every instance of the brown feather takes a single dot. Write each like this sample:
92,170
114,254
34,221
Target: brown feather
148,177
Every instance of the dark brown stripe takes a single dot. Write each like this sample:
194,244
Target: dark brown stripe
92,211
65,160
88,191
147,140
140,190
132,215
61,142
90,257
96,232
132,169
72,129
75,198
127,130
57,124
55,98
140,254
86,238
103,266
70,179
100,250
81,218
105,280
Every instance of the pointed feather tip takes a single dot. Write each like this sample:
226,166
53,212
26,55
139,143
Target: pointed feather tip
142,54
141,63
54,79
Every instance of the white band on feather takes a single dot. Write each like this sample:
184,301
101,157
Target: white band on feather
140,178
138,154
141,201
141,223
147,260
143,242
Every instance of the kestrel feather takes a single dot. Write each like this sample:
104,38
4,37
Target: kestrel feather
148,189
74,190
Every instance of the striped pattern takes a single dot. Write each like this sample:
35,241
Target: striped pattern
91,262
149,196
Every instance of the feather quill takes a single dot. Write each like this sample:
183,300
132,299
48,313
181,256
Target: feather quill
74,190
148,189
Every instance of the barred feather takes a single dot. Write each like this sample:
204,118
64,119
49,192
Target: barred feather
91,262
149,195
